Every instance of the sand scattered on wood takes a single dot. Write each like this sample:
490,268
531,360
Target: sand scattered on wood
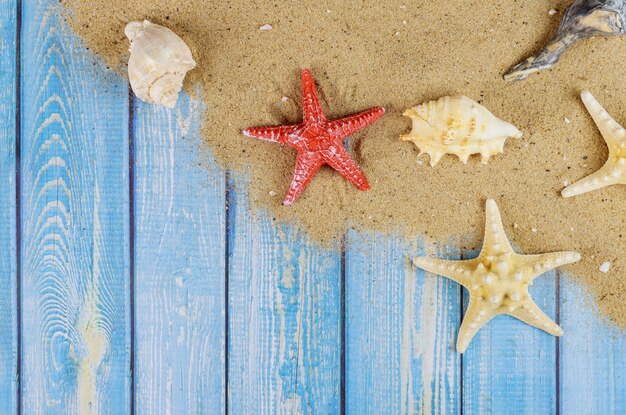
398,54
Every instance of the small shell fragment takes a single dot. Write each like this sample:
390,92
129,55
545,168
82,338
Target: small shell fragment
605,267
457,125
158,63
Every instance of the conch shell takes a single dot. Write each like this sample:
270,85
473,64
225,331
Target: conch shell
583,19
457,125
159,60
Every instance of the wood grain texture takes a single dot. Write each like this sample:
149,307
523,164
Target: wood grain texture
283,308
75,224
592,357
510,367
401,328
285,317
179,265
8,247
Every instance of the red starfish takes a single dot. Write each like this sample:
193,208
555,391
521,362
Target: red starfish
318,140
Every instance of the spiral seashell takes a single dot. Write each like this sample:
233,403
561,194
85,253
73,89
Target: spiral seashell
457,125
582,19
159,60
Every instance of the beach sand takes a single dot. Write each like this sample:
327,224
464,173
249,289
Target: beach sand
398,54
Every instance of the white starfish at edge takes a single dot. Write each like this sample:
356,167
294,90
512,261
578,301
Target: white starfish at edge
614,170
498,280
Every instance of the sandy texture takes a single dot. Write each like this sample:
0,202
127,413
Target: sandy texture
398,54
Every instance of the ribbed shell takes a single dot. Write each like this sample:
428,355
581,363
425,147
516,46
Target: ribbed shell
159,60
457,125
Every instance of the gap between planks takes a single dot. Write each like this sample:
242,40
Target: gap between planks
131,233
18,216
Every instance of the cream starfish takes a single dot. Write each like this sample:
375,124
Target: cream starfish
498,280
614,170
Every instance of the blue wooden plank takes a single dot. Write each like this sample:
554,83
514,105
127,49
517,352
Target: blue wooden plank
592,362
75,224
284,317
8,259
179,265
510,367
401,324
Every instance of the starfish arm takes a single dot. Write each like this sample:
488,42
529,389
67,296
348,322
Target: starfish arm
307,164
311,106
337,158
531,314
476,316
458,271
534,266
347,126
495,240
273,134
612,132
608,175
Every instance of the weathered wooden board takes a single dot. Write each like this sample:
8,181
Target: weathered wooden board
592,357
401,328
74,224
284,317
510,367
179,205
230,312
8,243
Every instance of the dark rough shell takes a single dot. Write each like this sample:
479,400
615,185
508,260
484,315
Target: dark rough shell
584,18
